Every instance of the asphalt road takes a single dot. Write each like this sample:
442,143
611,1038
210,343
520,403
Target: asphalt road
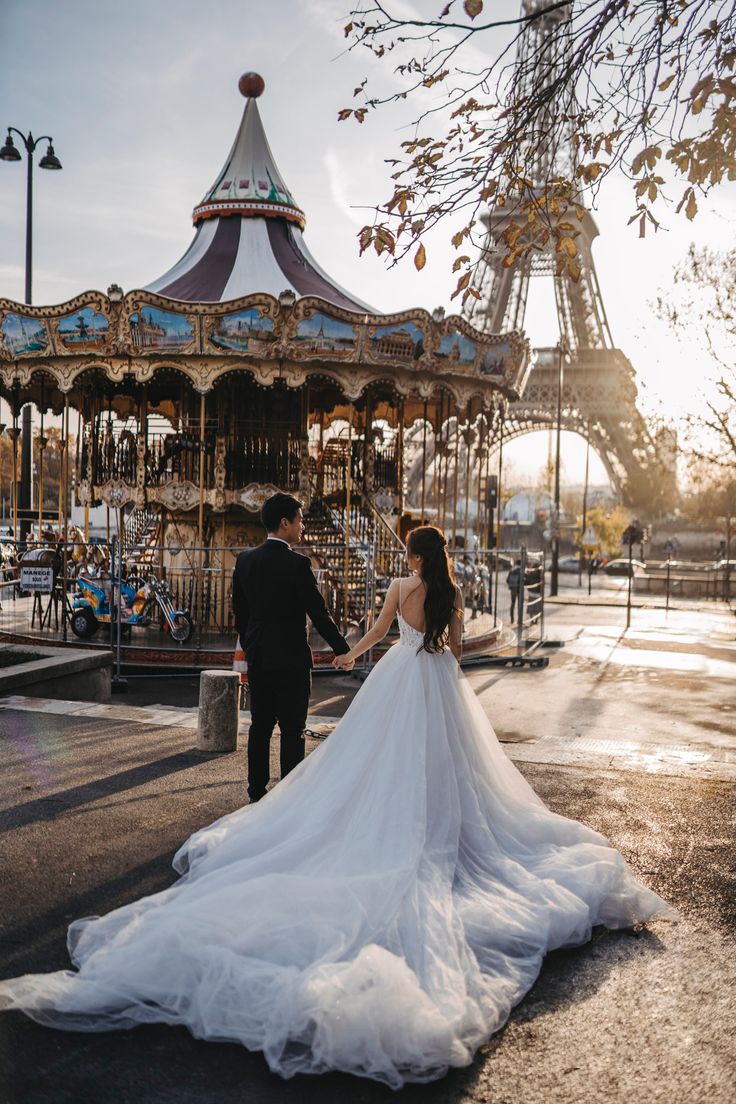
91,813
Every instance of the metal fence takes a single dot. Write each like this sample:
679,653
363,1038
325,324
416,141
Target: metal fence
180,597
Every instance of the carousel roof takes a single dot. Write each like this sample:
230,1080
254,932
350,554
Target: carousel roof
248,235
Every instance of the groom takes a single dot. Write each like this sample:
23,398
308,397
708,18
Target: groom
274,590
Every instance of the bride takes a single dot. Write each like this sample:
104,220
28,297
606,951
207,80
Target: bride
380,911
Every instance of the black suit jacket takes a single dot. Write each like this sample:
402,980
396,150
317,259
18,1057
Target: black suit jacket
274,590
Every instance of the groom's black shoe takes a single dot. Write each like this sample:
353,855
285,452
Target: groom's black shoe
252,798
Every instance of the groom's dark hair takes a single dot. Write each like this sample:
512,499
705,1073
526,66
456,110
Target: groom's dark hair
276,507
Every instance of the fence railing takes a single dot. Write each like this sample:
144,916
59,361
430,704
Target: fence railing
162,591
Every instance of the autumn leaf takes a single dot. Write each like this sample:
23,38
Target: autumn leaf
666,83
691,209
365,238
384,240
473,8
420,258
648,156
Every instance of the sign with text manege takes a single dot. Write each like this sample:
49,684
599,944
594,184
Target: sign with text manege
40,579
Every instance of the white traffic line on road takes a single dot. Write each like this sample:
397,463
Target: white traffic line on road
679,760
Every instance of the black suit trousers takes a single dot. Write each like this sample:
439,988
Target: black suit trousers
276,696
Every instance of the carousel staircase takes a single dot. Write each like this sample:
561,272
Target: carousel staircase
358,553
140,538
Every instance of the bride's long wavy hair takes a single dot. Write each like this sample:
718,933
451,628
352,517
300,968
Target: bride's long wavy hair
439,579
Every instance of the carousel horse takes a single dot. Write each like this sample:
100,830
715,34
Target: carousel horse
87,558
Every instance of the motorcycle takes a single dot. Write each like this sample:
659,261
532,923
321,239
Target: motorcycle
139,599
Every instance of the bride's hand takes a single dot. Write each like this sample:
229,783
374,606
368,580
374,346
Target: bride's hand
343,663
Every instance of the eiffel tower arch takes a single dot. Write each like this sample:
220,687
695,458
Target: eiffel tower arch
599,393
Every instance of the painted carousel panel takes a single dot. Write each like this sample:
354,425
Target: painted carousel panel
246,331
83,331
497,360
456,348
402,341
160,330
23,336
319,333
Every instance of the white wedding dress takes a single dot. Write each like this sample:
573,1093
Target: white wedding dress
380,911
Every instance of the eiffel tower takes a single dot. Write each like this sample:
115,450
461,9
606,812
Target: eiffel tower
599,390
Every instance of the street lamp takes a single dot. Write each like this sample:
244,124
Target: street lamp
9,152
555,567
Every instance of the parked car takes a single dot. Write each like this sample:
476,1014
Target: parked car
621,567
568,565
505,563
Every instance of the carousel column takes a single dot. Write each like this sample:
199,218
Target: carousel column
25,488
348,496
304,489
141,451
424,462
400,459
200,517
467,438
436,459
444,447
369,448
501,415
14,434
481,504
219,504
94,456
455,480
77,461
65,530
42,442
446,483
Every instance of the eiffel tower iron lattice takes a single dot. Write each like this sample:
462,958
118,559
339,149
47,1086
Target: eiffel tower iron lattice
599,391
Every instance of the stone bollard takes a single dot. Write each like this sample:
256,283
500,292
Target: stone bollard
217,722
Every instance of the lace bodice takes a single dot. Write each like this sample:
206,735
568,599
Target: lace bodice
409,635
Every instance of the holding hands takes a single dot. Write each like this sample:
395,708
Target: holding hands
343,662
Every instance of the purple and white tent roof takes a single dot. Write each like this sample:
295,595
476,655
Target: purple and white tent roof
248,235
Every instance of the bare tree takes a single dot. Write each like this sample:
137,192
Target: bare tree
574,92
703,303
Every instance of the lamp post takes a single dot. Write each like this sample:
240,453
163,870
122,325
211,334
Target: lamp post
555,568
10,152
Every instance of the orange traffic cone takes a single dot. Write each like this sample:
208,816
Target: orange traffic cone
239,663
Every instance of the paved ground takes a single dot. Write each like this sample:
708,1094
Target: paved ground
93,805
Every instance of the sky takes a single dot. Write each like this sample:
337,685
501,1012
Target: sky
141,99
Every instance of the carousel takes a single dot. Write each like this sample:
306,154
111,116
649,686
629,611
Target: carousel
243,370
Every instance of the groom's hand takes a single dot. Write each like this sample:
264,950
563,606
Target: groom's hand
342,663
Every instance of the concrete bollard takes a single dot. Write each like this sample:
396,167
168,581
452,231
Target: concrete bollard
217,721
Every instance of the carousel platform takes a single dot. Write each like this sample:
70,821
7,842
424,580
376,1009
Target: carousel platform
152,647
